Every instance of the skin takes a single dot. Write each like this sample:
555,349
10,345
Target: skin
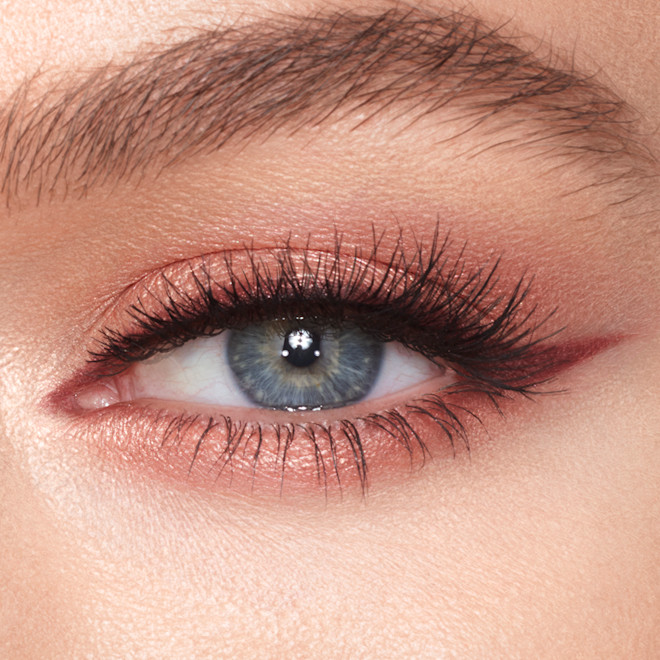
543,542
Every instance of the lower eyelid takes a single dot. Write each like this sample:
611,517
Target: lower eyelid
190,448
300,454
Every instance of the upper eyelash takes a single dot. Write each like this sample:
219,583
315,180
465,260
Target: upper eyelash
427,301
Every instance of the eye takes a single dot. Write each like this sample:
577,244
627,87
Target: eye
300,368
294,365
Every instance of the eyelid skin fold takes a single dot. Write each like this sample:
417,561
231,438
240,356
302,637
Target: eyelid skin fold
487,328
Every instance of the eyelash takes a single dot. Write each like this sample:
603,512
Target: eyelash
428,302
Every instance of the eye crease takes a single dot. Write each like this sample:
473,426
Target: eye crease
330,329
315,365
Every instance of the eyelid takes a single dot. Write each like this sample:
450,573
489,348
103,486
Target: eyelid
251,284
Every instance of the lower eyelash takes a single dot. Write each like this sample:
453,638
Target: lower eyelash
290,456
303,454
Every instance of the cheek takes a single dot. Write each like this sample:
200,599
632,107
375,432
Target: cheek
42,595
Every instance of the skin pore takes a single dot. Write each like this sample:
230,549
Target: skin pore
535,144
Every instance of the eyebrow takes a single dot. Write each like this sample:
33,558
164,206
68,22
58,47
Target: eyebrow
241,82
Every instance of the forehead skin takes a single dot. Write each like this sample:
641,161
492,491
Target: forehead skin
362,601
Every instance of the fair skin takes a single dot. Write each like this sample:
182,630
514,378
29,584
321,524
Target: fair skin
541,541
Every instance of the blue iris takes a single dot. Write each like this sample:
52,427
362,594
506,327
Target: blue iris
303,365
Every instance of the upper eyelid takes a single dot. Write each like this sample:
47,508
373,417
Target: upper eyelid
151,281
463,301
146,279
111,300
506,366
475,60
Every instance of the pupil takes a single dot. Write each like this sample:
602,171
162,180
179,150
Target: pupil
301,347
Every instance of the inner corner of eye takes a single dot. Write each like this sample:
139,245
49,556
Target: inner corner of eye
288,366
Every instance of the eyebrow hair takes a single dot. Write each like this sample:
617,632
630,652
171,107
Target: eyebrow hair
239,82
